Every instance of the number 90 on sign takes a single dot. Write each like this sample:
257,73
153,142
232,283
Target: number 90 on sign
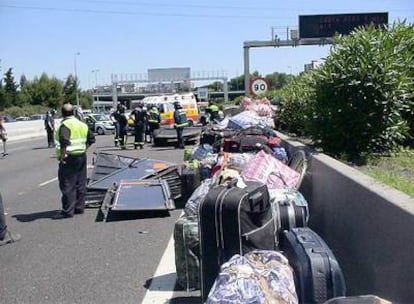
259,86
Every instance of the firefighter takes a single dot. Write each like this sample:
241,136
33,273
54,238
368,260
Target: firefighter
154,120
123,128
140,125
115,118
180,122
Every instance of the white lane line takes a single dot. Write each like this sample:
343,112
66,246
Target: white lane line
48,182
162,286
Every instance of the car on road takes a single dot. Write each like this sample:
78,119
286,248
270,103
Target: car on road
22,118
99,123
8,118
38,117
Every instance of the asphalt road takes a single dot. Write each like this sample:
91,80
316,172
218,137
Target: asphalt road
82,259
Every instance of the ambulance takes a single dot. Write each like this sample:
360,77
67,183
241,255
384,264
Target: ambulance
165,104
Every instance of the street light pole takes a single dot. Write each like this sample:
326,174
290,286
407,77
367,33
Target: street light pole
76,80
96,77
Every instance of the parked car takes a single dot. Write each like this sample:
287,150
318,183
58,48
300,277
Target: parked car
99,123
22,118
8,118
38,117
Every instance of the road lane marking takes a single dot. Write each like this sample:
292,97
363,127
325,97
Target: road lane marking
162,286
48,182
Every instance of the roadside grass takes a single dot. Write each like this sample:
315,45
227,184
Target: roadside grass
396,171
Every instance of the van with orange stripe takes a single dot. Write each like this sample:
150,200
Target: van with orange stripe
165,104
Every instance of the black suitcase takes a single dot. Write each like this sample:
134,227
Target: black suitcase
318,276
290,209
233,221
190,180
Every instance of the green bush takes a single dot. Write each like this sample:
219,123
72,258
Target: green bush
293,109
364,92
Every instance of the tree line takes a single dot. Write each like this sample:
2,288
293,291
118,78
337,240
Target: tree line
28,97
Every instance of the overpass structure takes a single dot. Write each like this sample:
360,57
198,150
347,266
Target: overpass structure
134,78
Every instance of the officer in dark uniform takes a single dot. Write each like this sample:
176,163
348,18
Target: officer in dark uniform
180,122
154,120
115,117
50,127
72,140
123,128
140,125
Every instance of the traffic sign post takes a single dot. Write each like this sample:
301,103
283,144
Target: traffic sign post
259,85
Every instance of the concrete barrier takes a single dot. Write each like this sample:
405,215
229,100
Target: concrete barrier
26,129
368,225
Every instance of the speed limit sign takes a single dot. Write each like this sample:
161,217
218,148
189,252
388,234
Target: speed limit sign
259,85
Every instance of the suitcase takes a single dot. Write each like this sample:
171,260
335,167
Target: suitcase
365,299
187,251
190,180
249,143
233,221
289,208
318,276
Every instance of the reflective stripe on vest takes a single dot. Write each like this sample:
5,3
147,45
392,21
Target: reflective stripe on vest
78,136
182,120
153,116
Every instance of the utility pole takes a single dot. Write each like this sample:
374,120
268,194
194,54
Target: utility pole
76,80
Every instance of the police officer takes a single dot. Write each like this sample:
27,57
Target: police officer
115,118
154,120
72,139
50,127
123,128
140,125
180,122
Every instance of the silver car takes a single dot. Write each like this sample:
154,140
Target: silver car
99,123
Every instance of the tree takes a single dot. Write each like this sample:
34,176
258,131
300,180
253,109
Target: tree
69,89
46,91
278,80
237,83
10,88
216,86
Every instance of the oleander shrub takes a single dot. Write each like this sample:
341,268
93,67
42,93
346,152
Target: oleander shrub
363,94
293,109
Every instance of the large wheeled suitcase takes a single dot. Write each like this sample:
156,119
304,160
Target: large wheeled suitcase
318,276
233,221
187,250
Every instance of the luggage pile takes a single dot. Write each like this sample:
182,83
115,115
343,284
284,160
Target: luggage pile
243,237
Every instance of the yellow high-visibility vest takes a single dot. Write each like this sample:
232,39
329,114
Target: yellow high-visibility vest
78,136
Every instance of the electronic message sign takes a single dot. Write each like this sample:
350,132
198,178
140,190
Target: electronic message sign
324,26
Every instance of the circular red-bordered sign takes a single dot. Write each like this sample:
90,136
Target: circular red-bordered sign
259,85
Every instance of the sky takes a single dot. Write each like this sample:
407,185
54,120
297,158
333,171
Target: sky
100,38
